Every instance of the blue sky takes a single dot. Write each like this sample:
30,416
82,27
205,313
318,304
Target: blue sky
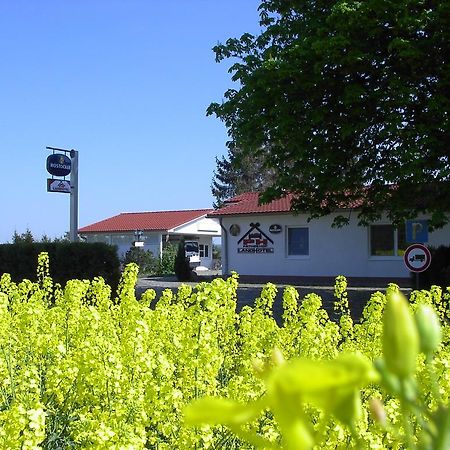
127,84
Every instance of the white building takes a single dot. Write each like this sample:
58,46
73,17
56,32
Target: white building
155,229
269,242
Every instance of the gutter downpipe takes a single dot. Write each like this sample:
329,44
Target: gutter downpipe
224,248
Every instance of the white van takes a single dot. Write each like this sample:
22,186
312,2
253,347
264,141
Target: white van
192,252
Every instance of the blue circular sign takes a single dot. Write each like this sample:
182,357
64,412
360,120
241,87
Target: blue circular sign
58,165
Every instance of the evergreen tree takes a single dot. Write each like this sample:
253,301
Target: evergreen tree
238,173
181,266
23,238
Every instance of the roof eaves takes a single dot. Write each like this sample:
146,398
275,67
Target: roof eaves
172,230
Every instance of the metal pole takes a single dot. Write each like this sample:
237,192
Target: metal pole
224,243
74,197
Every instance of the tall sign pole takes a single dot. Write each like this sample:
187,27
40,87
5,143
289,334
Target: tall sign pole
74,197
60,165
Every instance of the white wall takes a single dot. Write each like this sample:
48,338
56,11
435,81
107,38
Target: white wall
332,251
123,241
203,226
207,261
152,242
202,230
201,239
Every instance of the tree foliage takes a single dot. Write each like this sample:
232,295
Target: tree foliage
167,262
181,265
148,264
23,238
28,238
346,95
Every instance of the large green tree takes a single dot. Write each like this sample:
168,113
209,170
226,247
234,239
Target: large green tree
353,100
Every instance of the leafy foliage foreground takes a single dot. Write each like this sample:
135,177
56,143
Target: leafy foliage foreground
82,368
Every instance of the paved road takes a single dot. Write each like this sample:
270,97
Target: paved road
248,292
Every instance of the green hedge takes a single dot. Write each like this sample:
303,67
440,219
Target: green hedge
439,271
67,261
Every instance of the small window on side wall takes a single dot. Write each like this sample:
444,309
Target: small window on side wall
204,251
386,240
298,241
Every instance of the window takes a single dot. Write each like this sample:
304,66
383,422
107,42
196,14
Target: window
121,239
106,238
386,240
204,250
298,241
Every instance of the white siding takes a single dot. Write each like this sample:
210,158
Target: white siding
332,251
152,242
203,226
206,261
123,241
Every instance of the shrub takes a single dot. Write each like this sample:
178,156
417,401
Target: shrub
167,262
438,273
182,268
68,260
148,264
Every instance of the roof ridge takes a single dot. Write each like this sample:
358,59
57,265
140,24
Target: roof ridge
148,220
166,211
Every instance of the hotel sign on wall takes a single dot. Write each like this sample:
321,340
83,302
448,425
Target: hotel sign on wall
255,241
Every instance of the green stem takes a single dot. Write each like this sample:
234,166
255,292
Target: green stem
252,438
433,379
196,361
67,329
360,443
406,418
10,371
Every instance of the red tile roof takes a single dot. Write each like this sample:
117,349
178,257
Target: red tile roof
247,203
145,221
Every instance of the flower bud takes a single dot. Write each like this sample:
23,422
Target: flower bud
400,336
277,357
377,411
259,367
429,329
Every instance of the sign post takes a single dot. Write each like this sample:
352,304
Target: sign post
74,197
60,165
417,258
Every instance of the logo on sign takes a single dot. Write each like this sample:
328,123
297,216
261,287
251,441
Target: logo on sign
55,185
58,165
275,228
255,241
416,231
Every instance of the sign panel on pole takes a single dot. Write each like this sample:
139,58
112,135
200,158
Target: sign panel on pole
58,165
416,231
55,185
417,258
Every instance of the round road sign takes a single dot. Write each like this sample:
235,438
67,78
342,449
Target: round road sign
417,258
